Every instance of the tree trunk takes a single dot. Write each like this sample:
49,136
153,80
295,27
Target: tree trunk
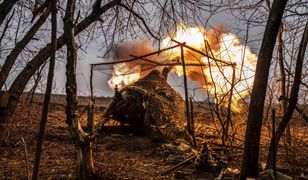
5,8
22,79
293,98
282,79
283,95
84,146
254,123
41,135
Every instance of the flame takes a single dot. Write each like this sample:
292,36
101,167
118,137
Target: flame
120,78
127,73
215,78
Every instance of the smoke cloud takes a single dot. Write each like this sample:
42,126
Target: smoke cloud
214,76
127,73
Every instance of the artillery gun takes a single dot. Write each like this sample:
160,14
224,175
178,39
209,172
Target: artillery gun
150,105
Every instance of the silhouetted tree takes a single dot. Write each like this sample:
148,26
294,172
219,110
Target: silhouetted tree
41,134
292,100
81,139
254,123
18,86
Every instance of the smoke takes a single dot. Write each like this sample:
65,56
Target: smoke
214,36
129,72
124,50
207,42
214,76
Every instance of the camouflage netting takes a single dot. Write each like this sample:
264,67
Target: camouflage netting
150,104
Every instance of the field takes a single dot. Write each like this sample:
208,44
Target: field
125,156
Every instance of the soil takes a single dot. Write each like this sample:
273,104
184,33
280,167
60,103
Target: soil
127,156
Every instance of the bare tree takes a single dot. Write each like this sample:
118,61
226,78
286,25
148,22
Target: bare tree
294,20
42,56
282,80
254,123
41,134
81,139
292,100
11,58
124,16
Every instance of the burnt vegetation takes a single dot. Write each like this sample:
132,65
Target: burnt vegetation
241,110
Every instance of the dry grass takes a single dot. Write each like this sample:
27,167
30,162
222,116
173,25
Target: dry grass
126,156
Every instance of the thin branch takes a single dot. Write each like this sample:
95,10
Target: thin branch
142,20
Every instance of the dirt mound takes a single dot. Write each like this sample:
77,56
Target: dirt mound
149,104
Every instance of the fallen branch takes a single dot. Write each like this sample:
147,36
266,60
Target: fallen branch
221,146
179,165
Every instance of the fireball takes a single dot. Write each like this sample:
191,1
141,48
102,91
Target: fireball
216,77
122,75
236,62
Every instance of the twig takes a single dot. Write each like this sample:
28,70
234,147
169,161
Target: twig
274,147
7,25
301,112
192,128
225,145
135,58
26,157
85,109
188,125
202,53
139,17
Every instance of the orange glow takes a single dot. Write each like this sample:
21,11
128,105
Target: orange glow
122,77
215,77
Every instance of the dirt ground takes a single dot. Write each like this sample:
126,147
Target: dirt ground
133,157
